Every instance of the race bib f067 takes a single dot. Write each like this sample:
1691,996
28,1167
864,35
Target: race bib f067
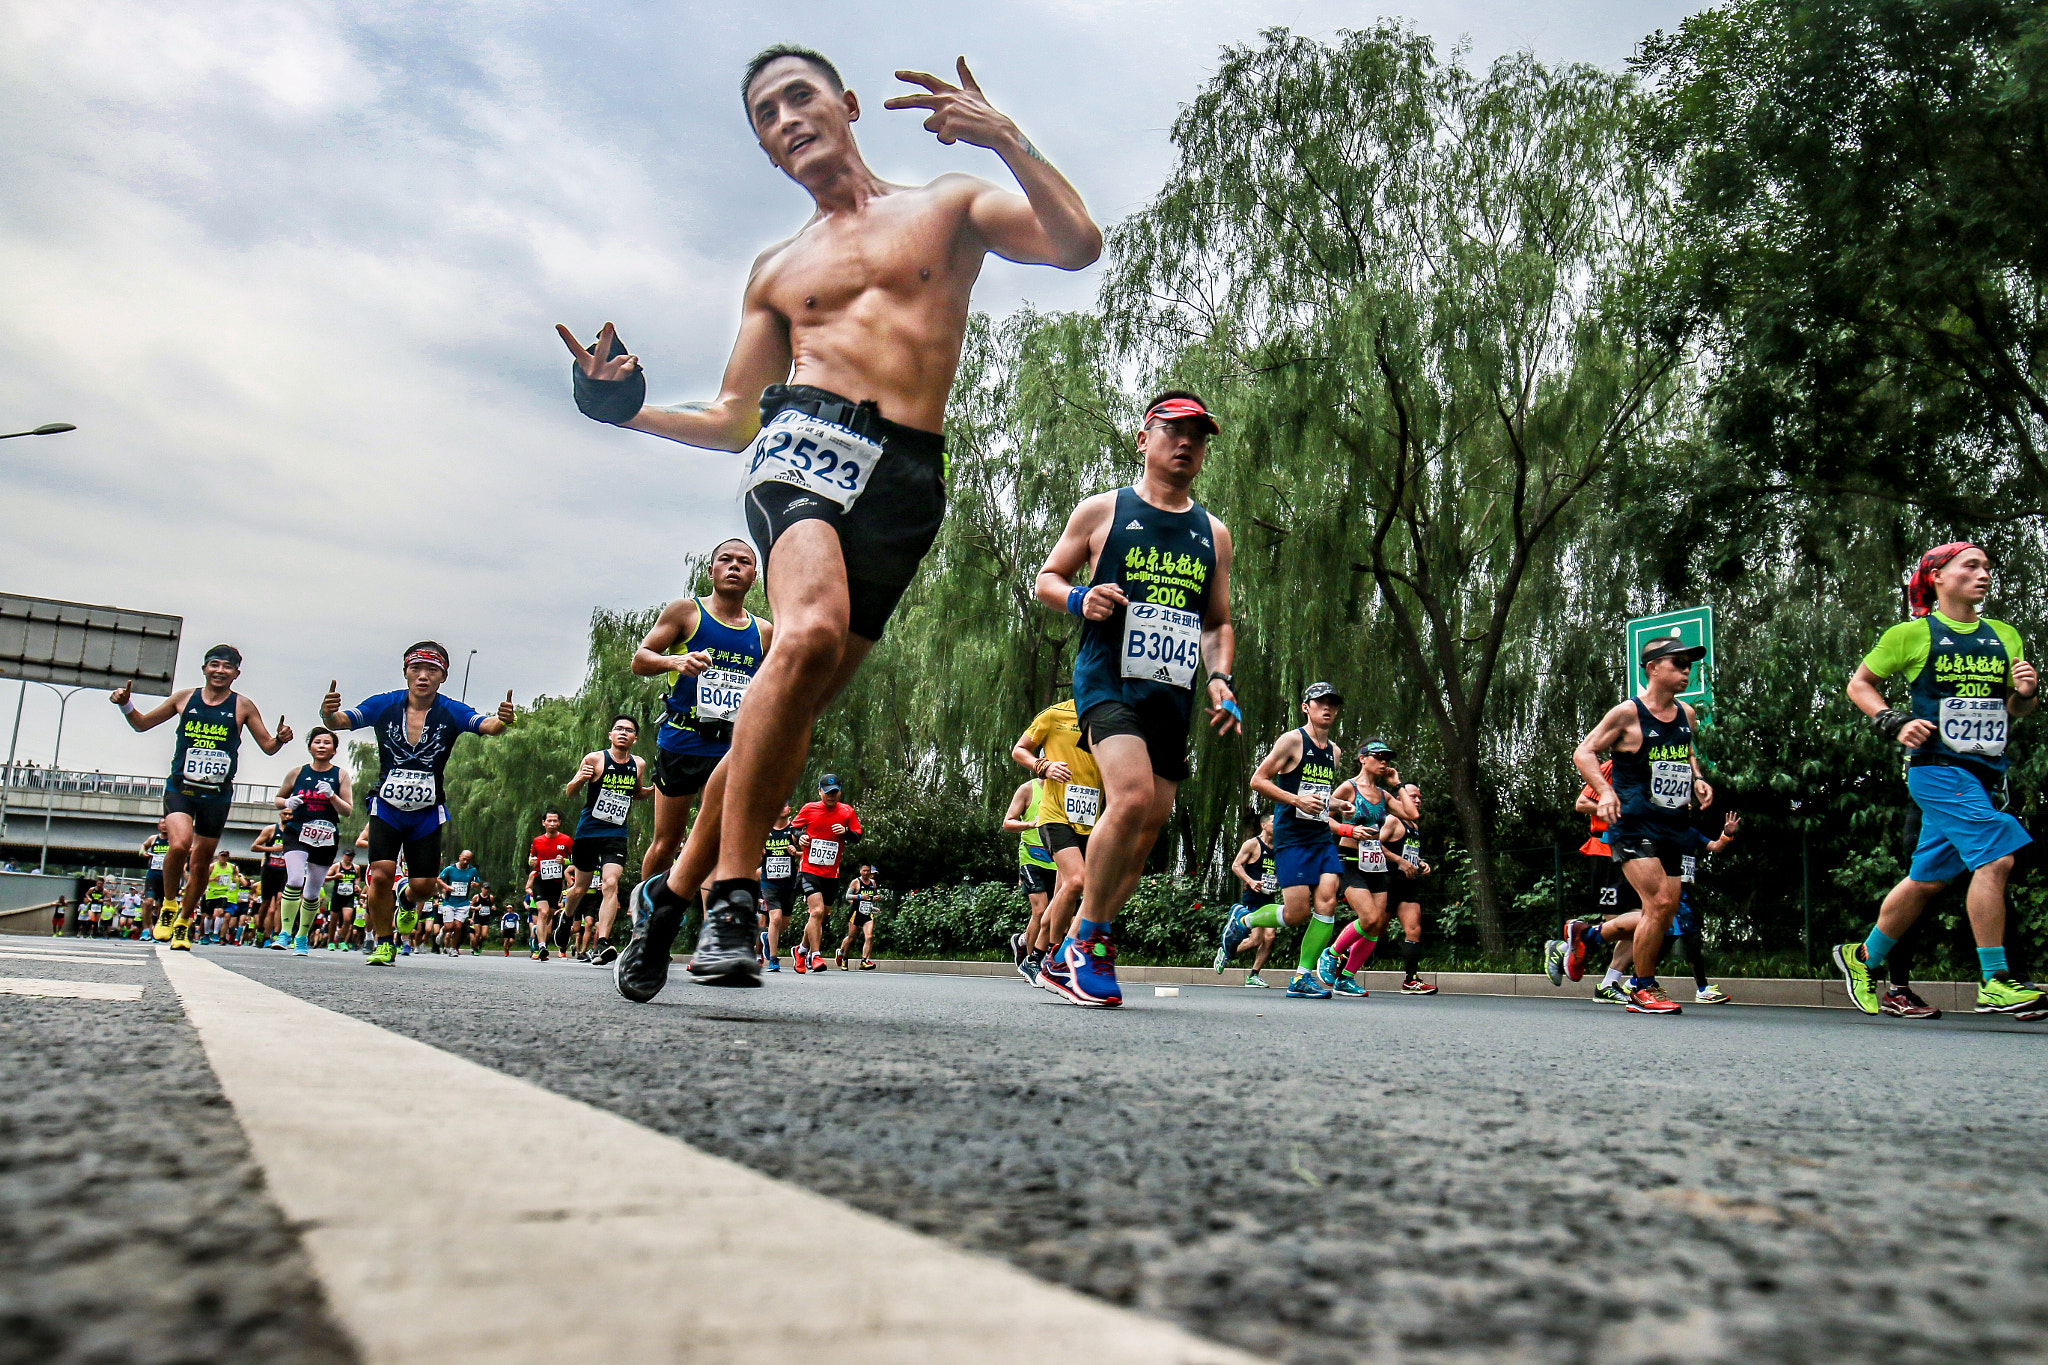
1161,644
1974,725
813,454
1372,856
407,789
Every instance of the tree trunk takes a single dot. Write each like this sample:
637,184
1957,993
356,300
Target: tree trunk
1461,765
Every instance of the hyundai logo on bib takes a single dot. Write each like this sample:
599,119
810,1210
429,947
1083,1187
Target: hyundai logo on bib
1144,611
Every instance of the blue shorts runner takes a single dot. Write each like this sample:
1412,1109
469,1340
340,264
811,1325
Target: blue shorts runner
1306,864
1960,830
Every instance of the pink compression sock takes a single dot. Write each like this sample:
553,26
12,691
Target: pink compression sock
1361,953
1347,938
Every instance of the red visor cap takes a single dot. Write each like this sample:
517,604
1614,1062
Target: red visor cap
1174,409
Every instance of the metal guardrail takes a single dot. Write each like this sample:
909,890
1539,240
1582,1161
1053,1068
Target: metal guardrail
27,778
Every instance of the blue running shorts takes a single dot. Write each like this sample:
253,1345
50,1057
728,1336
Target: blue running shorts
1960,831
1306,864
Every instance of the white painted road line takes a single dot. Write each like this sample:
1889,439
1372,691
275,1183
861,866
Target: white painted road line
71,990
423,1264
107,958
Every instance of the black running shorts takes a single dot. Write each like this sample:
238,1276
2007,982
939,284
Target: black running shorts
548,891
209,818
1035,880
1630,847
1356,880
422,855
1163,728
890,529
828,887
273,880
779,894
1057,836
592,851
682,774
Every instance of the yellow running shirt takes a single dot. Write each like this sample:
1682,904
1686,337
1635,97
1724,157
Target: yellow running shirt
1056,734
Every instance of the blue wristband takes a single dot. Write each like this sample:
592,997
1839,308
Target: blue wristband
1075,596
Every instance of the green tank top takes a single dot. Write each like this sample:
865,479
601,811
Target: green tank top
1030,852
220,883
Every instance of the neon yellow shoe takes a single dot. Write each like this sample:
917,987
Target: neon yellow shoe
161,930
181,935
384,956
1854,966
2003,995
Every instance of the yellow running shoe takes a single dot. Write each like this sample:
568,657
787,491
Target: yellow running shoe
2003,995
161,930
181,936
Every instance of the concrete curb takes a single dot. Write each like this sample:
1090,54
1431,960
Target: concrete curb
1828,993
29,920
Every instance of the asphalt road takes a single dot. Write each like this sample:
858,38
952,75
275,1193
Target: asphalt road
1420,1179
1445,1179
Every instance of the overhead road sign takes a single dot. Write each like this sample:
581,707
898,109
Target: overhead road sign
76,644
1693,626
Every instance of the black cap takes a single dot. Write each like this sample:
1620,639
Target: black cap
1322,691
829,783
1671,647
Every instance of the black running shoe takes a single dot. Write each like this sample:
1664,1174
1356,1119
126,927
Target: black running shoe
642,968
604,956
725,953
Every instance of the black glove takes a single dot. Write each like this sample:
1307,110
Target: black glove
1889,722
610,400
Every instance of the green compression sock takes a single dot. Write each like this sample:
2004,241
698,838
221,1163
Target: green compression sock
1316,935
289,905
1265,917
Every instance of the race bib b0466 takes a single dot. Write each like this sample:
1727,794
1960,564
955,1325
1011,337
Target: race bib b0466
719,694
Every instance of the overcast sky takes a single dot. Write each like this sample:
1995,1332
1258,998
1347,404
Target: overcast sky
291,268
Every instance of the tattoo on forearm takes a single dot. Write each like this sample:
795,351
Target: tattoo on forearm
1034,153
681,407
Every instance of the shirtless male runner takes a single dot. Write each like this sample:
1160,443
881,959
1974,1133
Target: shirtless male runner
849,335
711,647
201,788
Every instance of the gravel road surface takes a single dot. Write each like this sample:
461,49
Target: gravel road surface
1424,1180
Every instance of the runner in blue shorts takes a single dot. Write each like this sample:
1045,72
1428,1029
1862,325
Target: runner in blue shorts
1970,681
1297,776
416,729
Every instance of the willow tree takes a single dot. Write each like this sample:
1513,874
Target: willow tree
1419,294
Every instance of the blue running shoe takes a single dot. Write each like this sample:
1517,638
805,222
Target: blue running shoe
1327,970
302,946
774,965
406,951
1235,932
1306,986
1053,975
1091,974
1347,984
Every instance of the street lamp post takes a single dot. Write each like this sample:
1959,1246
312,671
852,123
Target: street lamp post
7,779
465,676
46,429
56,751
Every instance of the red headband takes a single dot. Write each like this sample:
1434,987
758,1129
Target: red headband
427,656
1920,583
1173,409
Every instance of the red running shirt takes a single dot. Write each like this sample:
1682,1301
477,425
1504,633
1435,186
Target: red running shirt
550,850
825,849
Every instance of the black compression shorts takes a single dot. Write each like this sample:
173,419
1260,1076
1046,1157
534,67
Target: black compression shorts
1630,847
209,818
1035,880
890,529
828,887
273,881
422,855
682,774
1354,879
592,851
1163,728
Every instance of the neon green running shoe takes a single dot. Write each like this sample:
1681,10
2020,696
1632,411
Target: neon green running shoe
1613,992
384,956
2003,995
1854,965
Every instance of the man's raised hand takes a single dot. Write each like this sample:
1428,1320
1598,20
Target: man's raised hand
283,733
119,696
598,362
507,713
960,113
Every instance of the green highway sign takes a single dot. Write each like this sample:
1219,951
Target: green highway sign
1693,625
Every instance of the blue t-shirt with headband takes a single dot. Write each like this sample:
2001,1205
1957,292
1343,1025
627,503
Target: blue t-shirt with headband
409,795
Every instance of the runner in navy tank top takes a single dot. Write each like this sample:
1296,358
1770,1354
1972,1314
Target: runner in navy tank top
1648,804
710,648
1155,608
201,787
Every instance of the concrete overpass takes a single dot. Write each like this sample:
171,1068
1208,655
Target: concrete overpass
100,819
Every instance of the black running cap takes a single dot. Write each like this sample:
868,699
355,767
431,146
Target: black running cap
227,652
1671,647
1322,691
829,783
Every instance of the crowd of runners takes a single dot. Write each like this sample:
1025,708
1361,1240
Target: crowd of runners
836,394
